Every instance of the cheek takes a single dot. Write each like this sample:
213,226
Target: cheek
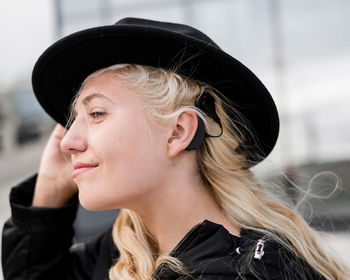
132,163
135,158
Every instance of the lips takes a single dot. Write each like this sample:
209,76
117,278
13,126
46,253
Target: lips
81,167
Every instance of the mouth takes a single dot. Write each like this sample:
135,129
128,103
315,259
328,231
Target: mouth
81,167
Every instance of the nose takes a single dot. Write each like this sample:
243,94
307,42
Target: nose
75,140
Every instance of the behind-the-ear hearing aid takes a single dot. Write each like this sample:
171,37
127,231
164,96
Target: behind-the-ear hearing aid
206,103
198,137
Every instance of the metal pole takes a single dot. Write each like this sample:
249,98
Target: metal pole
58,19
106,12
280,72
188,11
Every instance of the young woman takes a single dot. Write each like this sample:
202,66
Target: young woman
162,123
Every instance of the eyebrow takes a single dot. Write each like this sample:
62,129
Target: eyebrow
92,96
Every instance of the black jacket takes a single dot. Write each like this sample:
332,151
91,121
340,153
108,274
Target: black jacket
37,244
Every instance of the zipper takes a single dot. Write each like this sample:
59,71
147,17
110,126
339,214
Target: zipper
184,239
174,251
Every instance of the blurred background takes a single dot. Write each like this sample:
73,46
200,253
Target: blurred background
299,49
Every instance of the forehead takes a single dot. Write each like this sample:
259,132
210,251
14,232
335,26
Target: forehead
97,82
104,87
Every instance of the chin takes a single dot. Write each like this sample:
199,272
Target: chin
93,202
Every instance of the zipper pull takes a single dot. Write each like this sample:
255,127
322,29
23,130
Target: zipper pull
259,251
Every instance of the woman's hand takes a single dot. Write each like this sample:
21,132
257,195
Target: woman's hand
54,185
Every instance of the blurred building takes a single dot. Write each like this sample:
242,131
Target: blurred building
22,120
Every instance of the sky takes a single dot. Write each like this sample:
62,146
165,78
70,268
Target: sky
26,29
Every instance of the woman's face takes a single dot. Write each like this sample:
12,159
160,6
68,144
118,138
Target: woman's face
117,159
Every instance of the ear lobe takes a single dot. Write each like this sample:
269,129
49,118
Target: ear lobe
182,135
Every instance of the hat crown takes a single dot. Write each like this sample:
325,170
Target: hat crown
181,29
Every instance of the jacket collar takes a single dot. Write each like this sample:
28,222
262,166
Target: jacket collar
207,248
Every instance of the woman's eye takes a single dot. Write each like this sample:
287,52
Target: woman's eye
97,114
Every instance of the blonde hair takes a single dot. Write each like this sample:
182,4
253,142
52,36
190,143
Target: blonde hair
223,169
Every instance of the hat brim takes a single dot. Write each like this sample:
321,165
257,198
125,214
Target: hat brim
62,68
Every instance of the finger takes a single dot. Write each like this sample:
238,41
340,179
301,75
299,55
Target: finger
59,132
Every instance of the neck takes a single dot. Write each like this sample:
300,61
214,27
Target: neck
180,204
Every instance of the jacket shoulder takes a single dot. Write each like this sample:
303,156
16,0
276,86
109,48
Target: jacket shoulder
268,258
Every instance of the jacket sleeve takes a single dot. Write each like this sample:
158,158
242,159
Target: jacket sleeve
37,242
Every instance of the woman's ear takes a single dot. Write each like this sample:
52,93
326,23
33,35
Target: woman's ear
183,133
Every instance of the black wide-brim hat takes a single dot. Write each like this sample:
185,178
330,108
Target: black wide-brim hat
60,70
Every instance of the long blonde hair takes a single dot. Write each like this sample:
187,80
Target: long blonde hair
223,168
